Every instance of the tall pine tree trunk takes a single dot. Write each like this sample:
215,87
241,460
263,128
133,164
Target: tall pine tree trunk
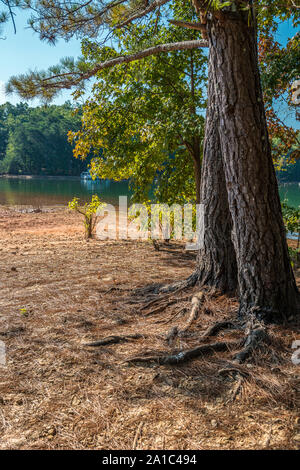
216,260
197,169
267,286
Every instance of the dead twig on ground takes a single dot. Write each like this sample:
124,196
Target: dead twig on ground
137,435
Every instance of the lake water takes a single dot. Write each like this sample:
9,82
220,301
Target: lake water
57,191
291,192
43,191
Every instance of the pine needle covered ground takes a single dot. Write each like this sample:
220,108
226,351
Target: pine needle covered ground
59,292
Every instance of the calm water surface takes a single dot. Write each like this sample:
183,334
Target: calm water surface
43,191
47,192
291,192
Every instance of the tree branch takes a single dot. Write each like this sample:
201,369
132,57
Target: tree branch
173,46
140,14
297,7
186,24
7,3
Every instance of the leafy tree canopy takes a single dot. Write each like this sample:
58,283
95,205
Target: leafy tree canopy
147,116
101,20
106,20
280,67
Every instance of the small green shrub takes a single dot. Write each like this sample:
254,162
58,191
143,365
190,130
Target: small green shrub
24,312
89,212
291,217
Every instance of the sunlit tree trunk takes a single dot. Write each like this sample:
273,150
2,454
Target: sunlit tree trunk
267,286
197,168
216,260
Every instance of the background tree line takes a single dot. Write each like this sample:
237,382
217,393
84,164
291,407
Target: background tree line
290,172
33,141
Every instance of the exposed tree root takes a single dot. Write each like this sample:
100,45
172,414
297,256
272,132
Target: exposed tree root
171,335
156,245
197,301
180,313
237,388
150,292
12,331
233,370
162,307
114,340
214,329
184,356
257,335
158,293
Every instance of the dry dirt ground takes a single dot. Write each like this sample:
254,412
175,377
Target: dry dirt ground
57,393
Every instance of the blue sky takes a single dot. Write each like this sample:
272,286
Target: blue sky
286,31
23,51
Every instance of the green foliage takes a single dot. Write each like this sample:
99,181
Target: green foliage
294,255
280,67
162,218
34,140
7,14
89,211
291,217
24,312
53,19
289,172
270,13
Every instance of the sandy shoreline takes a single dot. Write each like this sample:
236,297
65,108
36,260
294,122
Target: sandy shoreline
49,177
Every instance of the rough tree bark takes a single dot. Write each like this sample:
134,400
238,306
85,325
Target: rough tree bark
197,169
196,141
216,260
267,285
